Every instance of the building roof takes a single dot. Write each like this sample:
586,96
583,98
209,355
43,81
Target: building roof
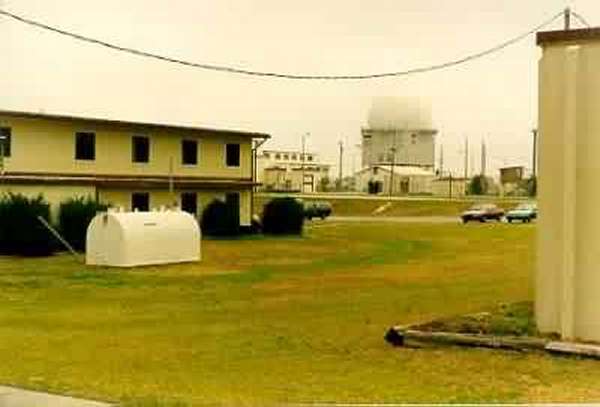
584,34
62,117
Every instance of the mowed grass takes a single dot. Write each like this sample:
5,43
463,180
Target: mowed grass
267,320
421,207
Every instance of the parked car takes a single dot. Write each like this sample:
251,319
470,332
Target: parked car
317,209
525,212
482,212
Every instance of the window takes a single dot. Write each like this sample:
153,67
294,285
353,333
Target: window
232,155
140,201
189,203
189,152
5,136
267,155
294,157
85,146
140,149
278,156
310,158
232,200
286,157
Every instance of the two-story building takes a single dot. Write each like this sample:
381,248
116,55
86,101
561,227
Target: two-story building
132,165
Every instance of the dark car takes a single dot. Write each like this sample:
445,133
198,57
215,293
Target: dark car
524,212
316,209
482,212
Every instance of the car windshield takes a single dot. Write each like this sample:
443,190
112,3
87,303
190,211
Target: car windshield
481,207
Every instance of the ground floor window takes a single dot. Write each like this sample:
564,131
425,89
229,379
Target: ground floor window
232,200
140,201
189,203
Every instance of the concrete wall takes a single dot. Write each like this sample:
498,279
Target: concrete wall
49,146
567,279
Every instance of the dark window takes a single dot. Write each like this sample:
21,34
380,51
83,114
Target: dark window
85,146
189,152
232,200
310,158
189,202
140,201
232,155
140,149
277,156
286,157
5,136
267,155
294,157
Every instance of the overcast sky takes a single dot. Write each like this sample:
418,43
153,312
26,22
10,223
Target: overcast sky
494,97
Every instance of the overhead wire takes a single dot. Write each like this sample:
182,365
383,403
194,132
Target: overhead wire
580,18
273,74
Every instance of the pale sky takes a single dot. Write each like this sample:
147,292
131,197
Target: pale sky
494,97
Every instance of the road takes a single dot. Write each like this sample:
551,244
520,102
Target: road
355,196
395,219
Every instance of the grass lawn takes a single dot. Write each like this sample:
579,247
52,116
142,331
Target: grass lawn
425,207
281,320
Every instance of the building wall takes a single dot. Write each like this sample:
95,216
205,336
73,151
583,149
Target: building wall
413,147
42,145
285,174
446,188
567,280
55,194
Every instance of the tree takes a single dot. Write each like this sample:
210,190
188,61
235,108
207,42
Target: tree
478,185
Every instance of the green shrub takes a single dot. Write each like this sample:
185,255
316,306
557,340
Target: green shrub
21,233
220,219
478,185
74,217
283,216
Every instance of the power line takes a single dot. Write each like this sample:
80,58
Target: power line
580,19
241,71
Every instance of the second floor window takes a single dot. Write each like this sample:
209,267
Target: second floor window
5,135
85,146
232,155
140,149
189,152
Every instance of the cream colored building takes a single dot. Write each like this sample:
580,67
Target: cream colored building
568,280
405,180
132,165
450,187
284,170
399,131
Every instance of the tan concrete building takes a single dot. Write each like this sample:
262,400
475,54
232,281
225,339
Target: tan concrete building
404,180
284,170
567,281
132,165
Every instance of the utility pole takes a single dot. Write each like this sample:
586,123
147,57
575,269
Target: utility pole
466,158
441,164
534,158
341,168
304,135
483,158
393,163
567,14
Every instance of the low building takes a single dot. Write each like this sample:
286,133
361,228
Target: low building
279,170
450,187
403,180
133,165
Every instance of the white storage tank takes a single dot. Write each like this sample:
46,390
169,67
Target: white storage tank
128,239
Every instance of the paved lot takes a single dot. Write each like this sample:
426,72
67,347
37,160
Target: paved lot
13,397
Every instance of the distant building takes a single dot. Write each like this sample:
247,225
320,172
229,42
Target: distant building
511,179
285,170
400,132
450,187
403,181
